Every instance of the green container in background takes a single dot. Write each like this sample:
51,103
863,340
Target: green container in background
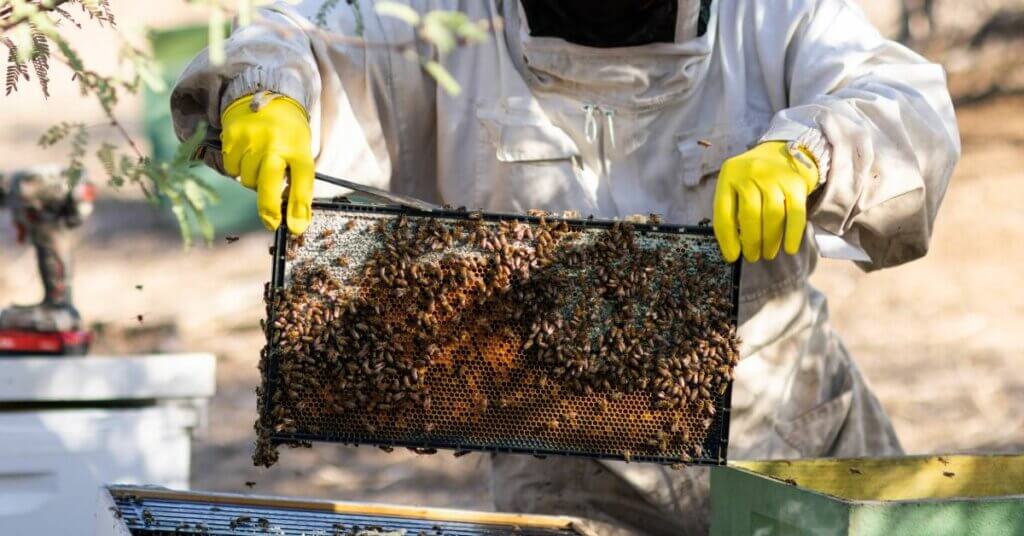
173,49
906,496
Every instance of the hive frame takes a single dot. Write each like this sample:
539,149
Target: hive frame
715,446
121,510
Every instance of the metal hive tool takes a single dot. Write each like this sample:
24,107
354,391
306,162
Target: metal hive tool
138,511
487,386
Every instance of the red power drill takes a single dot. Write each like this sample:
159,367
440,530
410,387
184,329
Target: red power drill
46,206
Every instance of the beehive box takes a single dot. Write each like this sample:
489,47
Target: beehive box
146,511
506,333
906,496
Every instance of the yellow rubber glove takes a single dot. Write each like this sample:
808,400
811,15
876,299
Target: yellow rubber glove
259,146
762,195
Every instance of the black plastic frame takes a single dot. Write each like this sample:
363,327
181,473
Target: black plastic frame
715,448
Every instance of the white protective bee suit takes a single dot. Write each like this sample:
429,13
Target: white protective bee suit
543,123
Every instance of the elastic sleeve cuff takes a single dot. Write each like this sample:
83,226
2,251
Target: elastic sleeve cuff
809,138
256,79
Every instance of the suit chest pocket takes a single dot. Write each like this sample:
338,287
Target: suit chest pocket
525,162
702,152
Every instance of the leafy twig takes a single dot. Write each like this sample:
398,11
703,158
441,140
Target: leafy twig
16,69
34,39
10,17
41,60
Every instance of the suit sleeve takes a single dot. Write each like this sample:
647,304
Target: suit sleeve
880,122
315,53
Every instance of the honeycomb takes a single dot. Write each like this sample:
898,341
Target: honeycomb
473,331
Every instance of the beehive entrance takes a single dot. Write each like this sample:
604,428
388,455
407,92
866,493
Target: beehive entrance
473,331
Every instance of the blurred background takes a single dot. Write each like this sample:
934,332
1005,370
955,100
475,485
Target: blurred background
938,339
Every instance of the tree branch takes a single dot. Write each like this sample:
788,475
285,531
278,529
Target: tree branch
7,11
112,120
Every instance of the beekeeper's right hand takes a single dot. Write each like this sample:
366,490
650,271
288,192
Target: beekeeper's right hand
260,146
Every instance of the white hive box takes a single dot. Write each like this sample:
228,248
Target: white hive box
71,424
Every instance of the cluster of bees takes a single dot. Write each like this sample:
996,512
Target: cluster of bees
590,313
641,320
339,529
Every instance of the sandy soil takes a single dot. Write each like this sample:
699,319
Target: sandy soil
938,339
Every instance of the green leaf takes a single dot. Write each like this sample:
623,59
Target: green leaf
472,32
435,31
194,191
357,13
450,19
74,60
105,154
54,134
212,198
245,10
21,36
398,11
446,28
205,227
130,169
184,153
217,35
326,7
149,72
443,77
199,196
93,7
182,218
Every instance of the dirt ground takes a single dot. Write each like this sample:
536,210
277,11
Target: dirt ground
938,339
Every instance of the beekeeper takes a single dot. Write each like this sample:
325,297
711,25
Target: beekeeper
762,116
